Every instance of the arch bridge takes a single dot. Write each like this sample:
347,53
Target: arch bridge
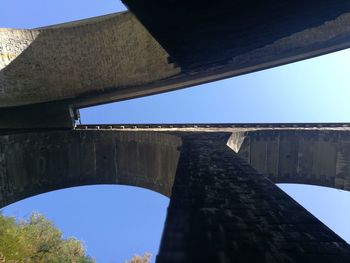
205,169
225,206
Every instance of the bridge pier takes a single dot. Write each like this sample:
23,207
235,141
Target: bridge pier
222,210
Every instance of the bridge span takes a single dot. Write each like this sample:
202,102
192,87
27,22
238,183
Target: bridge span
153,48
224,204
146,155
206,170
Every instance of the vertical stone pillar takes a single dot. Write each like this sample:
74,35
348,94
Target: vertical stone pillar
222,210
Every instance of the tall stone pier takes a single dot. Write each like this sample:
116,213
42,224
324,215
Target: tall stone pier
223,210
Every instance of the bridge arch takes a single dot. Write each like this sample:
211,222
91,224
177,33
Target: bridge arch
301,156
35,163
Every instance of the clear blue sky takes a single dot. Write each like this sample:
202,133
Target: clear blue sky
116,222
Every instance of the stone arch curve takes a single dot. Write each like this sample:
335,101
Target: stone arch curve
35,163
303,156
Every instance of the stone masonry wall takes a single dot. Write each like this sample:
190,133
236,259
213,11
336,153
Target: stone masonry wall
75,59
222,210
35,163
308,157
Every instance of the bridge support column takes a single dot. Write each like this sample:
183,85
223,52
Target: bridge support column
222,210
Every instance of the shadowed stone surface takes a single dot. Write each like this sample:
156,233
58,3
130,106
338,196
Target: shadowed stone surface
57,114
307,157
315,153
222,210
203,34
34,163
37,162
284,155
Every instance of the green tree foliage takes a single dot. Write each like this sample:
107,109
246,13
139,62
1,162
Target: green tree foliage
138,259
37,240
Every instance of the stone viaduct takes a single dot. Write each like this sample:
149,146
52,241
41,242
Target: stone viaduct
224,204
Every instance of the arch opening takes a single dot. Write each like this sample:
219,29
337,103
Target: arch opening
117,223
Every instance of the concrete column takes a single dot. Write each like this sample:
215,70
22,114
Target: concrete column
222,210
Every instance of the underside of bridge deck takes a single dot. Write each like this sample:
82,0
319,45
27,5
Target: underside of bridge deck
160,46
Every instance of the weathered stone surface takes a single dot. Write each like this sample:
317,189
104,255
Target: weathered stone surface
57,114
114,57
308,157
204,33
78,58
317,154
148,159
34,163
222,210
